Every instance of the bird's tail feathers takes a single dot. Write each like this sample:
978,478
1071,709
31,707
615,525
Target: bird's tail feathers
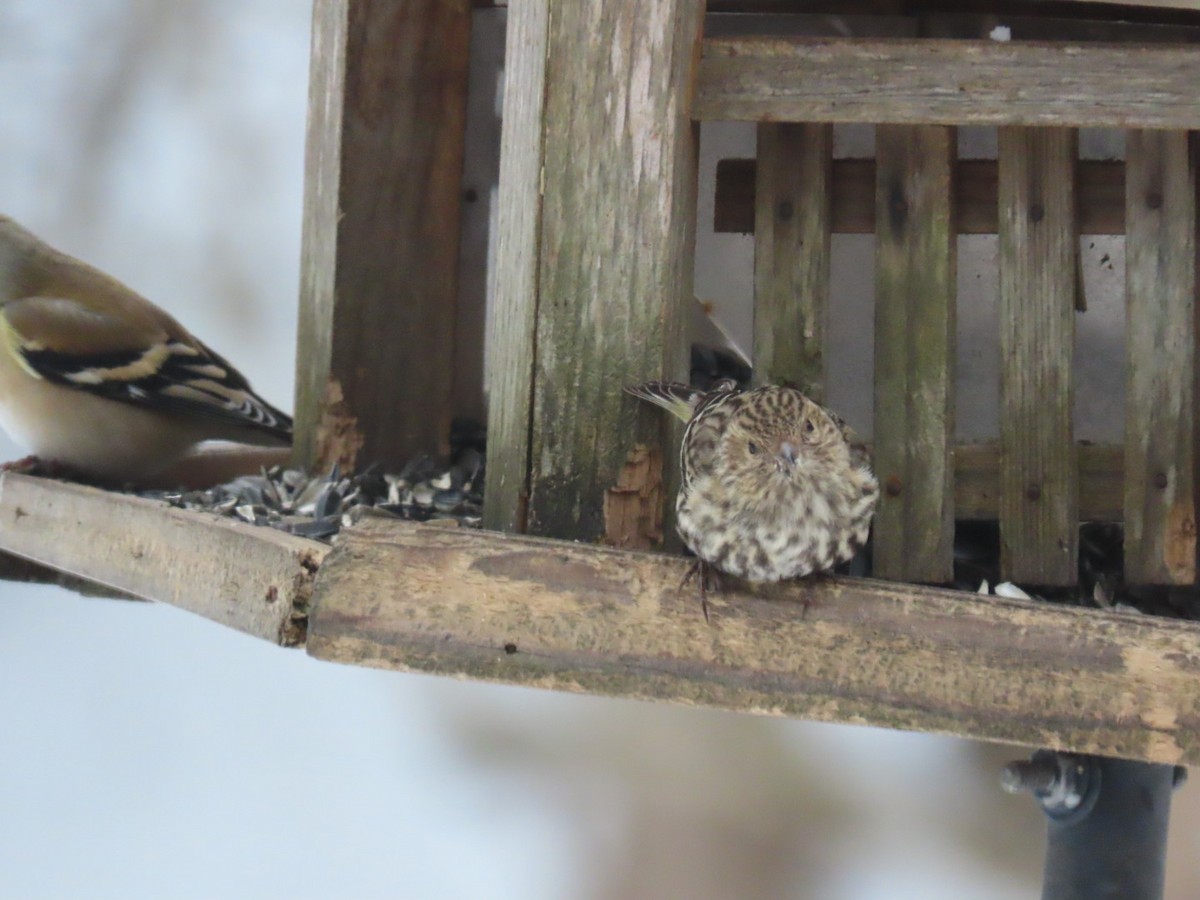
678,399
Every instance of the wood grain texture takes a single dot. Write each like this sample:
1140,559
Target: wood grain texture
256,580
1101,479
559,615
1039,496
1160,340
381,229
931,81
1101,196
791,255
617,246
25,571
518,241
915,276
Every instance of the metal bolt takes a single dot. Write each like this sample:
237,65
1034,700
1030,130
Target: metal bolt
1039,776
786,210
893,486
1059,781
1154,200
1037,212
1160,481
1034,492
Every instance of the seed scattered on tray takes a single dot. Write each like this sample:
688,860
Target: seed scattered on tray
318,506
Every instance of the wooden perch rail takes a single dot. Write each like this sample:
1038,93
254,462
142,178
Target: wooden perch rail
581,618
256,580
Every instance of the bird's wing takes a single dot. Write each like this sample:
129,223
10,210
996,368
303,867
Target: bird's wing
702,437
145,359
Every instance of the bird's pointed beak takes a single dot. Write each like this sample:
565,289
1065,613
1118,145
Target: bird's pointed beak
787,453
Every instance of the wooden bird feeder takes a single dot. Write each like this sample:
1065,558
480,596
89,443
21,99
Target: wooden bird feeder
594,246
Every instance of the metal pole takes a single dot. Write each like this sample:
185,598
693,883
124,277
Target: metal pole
1106,823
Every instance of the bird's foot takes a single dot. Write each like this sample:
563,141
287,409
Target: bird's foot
707,578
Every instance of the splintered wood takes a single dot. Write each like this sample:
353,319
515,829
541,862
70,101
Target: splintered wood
633,508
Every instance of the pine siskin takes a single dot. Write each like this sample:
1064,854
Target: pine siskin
772,486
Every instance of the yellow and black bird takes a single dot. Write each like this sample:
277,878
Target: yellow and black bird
98,380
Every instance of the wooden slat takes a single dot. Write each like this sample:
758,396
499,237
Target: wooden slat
256,580
1160,295
515,298
902,81
560,615
387,97
915,265
616,257
26,571
1039,488
1101,189
1101,480
791,255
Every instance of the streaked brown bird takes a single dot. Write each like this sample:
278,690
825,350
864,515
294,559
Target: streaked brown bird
97,379
773,485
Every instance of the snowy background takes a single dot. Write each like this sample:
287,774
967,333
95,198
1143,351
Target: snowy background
148,753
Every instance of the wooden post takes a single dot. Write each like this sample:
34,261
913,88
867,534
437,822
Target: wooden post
614,267
791,255
381,229
914,352
518,238
1160,294
1039,497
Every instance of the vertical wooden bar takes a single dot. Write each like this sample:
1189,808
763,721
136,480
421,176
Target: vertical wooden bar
915,266
791,254
1160,291
515,298
1039,494
380,240
615,272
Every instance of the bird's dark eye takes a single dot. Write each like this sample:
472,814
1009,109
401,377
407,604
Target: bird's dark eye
752,447
809,427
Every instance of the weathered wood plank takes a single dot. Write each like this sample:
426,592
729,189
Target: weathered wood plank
381,229
1101,190
791,255
1101,480
1039,495
256,580
902,81
915,270
26,571
616,254
515,298
1160,296
559,615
